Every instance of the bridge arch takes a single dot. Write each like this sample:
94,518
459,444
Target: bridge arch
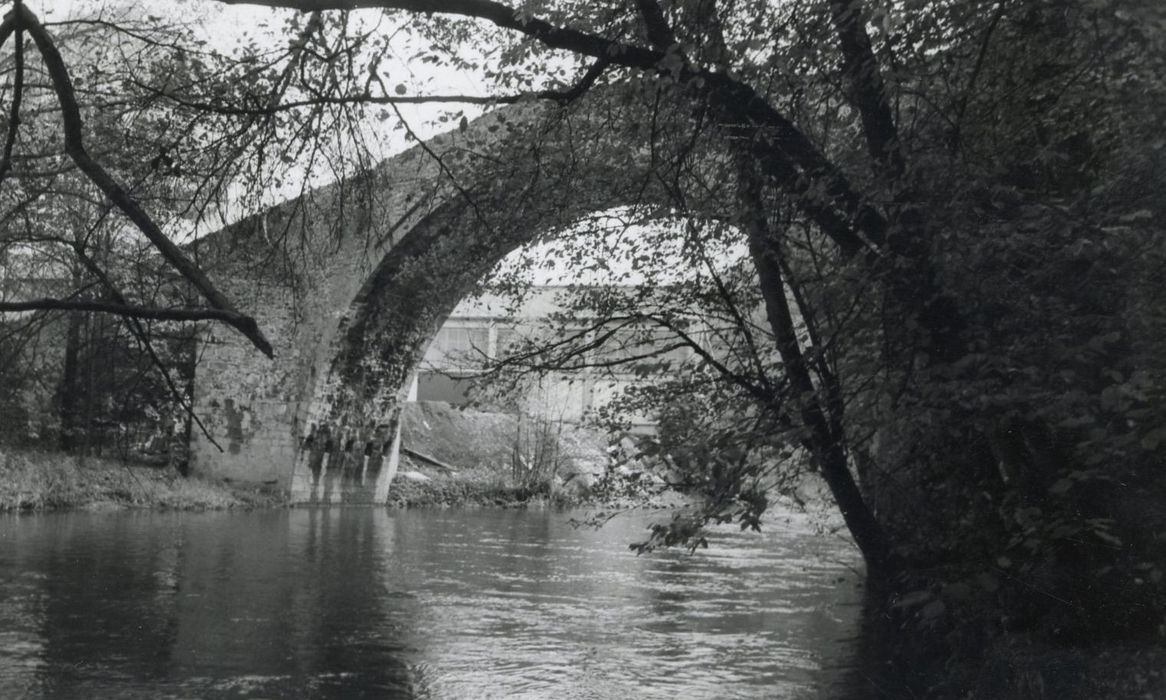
357,297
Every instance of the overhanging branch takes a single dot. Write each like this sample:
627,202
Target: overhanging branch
131,310
793,163
75,148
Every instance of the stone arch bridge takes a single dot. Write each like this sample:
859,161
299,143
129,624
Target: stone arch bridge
351,281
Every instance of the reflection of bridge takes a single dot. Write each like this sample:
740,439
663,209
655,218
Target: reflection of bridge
351,281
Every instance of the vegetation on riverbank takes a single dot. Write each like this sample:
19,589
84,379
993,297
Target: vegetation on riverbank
452,458
960,632
482,487
464,457
905,653
36,481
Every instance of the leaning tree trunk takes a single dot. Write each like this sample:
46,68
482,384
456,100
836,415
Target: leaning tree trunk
825,438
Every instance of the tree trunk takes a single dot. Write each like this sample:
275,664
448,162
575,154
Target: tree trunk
824,437
68,396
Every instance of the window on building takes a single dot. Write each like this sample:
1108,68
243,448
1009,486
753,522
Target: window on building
654,346
506,342
511,340
458,347
435,386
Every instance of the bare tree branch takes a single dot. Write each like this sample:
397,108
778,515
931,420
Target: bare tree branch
791,160
75,147
563,97
496,13
124,309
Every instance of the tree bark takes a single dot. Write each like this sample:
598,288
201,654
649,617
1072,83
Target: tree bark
865,88
824,439
68,393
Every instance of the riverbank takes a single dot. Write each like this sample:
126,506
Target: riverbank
420,486
474,488
34,481
456,457
40,481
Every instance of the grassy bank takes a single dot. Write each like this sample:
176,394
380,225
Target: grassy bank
32,481
467,458
481,487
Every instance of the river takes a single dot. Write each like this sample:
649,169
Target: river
449,604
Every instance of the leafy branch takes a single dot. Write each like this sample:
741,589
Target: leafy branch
22,19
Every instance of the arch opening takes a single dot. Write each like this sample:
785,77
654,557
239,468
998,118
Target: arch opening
369,305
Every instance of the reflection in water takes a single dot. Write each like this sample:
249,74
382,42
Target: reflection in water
351,603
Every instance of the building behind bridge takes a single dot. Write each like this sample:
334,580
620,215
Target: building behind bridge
484,330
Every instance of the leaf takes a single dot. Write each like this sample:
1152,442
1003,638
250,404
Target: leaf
913,599
958,591
1152,439
1105,536
932,610
1140,215
988,582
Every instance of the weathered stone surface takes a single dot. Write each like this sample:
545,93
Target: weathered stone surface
351,281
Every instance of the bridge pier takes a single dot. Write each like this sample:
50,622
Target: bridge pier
337,466
248,442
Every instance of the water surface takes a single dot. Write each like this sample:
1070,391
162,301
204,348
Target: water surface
349,603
